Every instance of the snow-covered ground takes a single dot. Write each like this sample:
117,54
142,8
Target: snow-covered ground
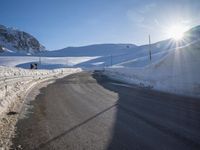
93,56
177,72
15,81
43,62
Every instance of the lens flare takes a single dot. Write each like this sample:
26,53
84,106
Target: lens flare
176,31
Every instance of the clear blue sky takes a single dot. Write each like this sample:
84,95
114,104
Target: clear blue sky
61,23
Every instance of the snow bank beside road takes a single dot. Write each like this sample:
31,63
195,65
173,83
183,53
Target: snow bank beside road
178,72
14,81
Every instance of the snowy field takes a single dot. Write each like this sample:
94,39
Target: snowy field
44,62
177,72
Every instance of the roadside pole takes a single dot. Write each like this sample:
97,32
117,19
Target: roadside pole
149,47
40,62
111,61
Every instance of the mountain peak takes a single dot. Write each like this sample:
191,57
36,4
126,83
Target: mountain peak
19,41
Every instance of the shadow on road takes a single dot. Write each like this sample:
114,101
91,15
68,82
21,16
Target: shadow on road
75,127
147,119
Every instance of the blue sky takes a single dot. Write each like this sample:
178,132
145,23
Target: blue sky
61,23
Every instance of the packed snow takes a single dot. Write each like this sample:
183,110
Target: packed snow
15,81
178,72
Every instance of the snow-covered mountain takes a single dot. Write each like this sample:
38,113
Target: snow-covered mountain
91,50
13,40
128,55
102,55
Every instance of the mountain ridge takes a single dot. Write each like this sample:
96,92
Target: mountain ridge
14,40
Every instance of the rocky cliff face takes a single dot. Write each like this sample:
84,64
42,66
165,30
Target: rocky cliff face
20,41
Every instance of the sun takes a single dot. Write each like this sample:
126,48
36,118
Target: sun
176,31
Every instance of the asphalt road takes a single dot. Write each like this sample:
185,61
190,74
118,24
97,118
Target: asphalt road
87,111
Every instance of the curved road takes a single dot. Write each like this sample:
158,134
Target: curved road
87,111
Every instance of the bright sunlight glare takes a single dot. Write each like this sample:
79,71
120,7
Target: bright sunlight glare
176,31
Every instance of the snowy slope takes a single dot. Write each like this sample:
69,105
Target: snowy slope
101,55
176,72
138,56
108,54
71,56
13,40
95,56
91,50
67,57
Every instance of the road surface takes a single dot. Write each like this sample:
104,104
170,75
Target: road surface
87,111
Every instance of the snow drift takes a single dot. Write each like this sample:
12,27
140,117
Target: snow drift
14,82
177,72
